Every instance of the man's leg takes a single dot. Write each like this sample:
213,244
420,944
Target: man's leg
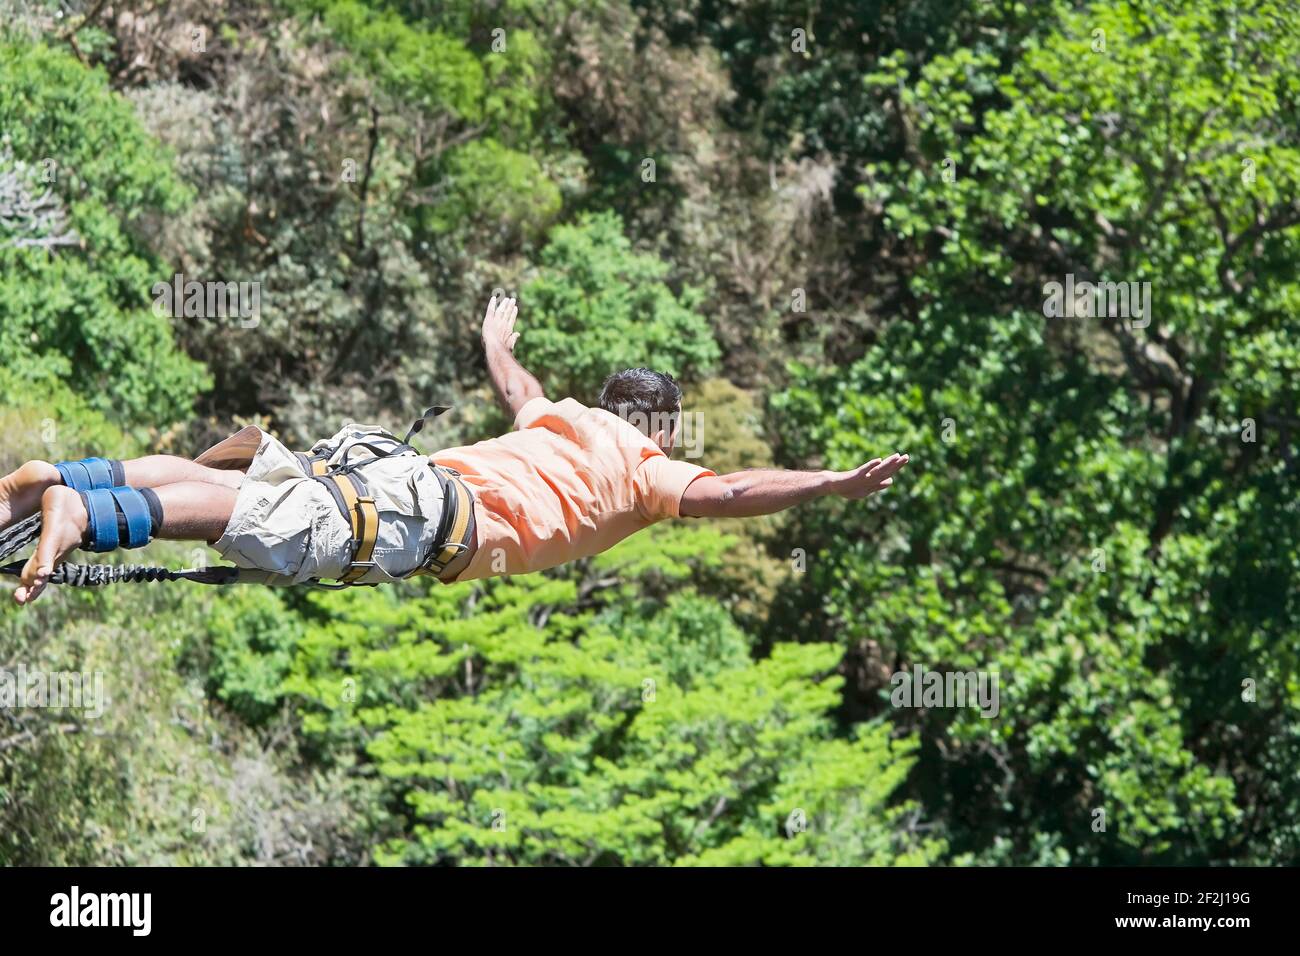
192,511
154,471
21,490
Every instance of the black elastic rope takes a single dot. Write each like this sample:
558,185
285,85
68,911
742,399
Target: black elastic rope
96,575
13,539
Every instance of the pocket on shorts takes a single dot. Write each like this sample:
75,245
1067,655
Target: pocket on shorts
260,537
399,547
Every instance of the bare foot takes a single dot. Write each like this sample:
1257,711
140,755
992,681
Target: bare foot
63,526
21,490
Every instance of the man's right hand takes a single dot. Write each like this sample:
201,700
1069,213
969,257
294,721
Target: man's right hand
514,386
499,323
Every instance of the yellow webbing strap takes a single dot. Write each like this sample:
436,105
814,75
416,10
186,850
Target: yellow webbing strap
456,537
314,466
365,526
455,543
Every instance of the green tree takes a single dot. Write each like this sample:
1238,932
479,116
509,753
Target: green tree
1089,510
597,306
79,309
515,730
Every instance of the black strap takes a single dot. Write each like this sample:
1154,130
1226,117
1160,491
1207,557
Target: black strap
453,491
449,512
398,448
433,411
337,496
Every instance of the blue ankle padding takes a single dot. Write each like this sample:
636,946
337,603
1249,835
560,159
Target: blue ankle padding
87,474
139,525
102,530
102,506
101,472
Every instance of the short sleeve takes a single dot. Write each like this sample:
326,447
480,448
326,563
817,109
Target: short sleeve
532,410
661,482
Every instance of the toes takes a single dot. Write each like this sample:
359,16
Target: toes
34,578
25,594
37,587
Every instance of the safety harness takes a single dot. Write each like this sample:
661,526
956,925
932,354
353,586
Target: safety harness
347,485
110,507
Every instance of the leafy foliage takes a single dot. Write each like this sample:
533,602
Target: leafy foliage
83,315
597,306
1088,490
515,731
845,251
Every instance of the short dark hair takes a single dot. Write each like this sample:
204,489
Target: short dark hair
642,395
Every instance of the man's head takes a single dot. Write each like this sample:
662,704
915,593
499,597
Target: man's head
647,399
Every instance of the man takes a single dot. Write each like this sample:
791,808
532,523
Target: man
363,507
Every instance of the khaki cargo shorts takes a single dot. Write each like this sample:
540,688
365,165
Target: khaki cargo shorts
289,524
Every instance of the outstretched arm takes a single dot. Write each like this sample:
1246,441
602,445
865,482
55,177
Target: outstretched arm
764,491
513,383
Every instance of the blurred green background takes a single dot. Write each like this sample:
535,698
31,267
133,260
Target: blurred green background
834,221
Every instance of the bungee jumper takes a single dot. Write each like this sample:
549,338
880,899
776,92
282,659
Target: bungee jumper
364,507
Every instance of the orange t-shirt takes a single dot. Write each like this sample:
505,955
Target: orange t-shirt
571,481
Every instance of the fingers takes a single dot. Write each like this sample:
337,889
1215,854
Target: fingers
884,469
879,474
885,474
503,312
511,343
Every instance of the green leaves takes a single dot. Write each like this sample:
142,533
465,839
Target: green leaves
1067,516
1103,513
83,312
425,67
517,730
495,191
596,306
